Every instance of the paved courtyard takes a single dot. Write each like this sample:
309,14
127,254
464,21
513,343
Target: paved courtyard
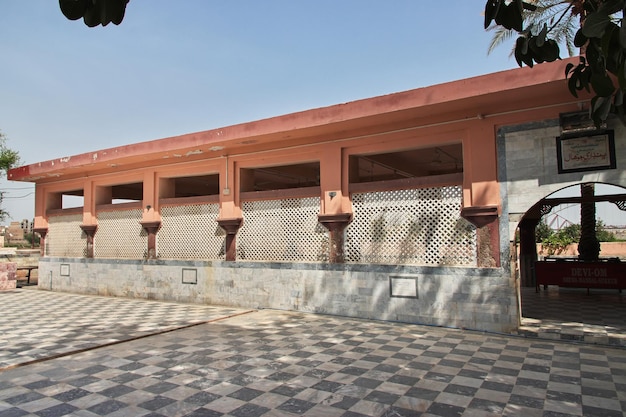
229,362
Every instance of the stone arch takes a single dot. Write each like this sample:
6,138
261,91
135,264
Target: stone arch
531,218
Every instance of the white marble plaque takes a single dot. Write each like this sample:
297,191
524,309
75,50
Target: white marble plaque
404,287
190,276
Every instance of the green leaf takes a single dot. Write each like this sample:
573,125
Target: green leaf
595,24
73,9
618,104
610,38
522,52
621,75
600,108
116,12
611,6
594,55
529,6
602,84
589,7
579,39
618,101
510,16
541,37
491,11
622,33
92,14
585,77
550,50
572,85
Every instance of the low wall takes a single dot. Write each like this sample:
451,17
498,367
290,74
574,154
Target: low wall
607,250
22,257
472,298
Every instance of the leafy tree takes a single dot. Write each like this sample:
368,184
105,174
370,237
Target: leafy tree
542,231
600,35
604,235
556,241
563,26
32,238
571,232
94,12
8,159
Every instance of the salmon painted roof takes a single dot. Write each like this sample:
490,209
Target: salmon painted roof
478,97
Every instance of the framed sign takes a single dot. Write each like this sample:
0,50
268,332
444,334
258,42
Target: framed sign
190,276
586,152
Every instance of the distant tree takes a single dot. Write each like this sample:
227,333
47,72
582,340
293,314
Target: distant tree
603,234
600,35
557,241
94,12
8,159
542,231
32,238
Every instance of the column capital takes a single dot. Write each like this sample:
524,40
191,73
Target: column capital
152,227
89,229
42,231
335,223
329,220
480,216
230,226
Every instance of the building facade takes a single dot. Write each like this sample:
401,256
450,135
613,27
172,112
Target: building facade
401,207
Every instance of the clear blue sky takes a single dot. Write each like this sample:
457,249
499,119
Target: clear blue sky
179,66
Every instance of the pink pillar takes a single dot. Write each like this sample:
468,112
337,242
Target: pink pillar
231,227
336,223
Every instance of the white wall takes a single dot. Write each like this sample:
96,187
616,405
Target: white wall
528,166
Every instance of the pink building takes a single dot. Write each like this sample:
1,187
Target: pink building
400,207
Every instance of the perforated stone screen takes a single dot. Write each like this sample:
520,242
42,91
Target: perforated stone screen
282,230
120,235
65,238
190,232
419,226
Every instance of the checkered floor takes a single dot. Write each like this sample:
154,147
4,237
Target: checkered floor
272,363
39,324
573,315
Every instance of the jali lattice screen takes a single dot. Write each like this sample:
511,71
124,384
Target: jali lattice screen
120,235
65,238
282,230
418,227
190,232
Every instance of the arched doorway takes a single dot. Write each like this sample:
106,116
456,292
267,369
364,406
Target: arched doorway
573,312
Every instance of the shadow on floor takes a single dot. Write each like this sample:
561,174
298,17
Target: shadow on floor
574,315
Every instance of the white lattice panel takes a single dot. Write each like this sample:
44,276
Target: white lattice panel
190,232
65,238
419,227
282,230
120,235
